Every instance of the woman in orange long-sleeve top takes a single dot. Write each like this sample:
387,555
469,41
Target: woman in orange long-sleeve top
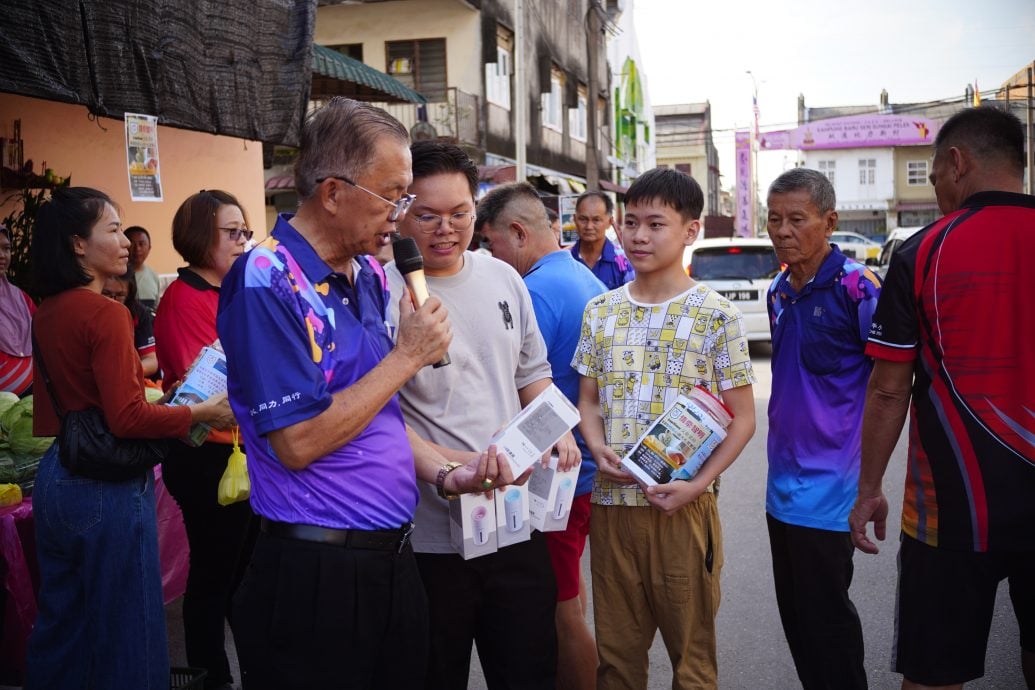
101,622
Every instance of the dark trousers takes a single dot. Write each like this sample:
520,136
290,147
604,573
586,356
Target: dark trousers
318,616
505,602
812,569
221,540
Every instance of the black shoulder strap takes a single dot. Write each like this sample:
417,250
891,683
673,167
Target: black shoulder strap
38,356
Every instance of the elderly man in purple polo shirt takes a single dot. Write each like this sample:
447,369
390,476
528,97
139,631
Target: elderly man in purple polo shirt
333,598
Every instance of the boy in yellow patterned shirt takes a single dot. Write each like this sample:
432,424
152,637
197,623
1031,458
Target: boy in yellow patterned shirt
657,551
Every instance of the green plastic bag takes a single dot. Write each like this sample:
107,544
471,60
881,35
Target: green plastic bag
235,485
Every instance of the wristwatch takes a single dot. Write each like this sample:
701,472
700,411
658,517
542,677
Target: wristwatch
440,480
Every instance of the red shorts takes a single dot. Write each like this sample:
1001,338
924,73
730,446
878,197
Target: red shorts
566,549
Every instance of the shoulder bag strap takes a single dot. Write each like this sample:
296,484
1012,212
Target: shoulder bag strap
38,355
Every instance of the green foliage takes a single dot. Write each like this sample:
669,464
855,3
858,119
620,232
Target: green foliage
21,222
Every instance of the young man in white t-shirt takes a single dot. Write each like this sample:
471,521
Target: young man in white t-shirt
506,600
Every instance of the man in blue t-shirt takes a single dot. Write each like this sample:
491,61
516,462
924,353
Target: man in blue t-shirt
594,214
515,223
333,597
820,308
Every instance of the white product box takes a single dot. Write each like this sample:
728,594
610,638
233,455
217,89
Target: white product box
534,430
472,525
512,520
550,495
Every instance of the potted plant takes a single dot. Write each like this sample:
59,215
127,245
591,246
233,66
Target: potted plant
21,222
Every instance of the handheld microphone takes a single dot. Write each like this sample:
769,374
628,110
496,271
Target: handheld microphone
411,265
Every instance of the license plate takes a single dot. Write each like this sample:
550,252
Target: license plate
740,295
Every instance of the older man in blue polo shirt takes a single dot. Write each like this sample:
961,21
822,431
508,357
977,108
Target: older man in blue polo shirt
594,214
333,598
820,309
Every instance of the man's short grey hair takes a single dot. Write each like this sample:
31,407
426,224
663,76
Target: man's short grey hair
339,139
821,192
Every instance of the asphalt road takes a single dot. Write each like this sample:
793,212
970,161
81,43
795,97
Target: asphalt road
752,651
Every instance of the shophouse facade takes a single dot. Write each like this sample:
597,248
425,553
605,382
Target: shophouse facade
460,55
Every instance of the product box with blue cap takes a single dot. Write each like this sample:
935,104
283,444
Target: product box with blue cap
551,492
512,523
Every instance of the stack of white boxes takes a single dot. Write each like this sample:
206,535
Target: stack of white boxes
482,523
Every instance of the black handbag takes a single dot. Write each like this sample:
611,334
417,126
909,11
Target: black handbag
86,446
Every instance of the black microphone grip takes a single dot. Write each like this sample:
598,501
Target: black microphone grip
411,265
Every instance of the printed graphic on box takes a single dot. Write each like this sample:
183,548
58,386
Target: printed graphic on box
550,495
472,525
534,430
512,523
679,442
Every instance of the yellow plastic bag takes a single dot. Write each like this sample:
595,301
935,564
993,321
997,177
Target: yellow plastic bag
235,486
10,495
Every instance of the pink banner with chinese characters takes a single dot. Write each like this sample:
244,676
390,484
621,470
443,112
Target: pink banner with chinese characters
854,131
744,226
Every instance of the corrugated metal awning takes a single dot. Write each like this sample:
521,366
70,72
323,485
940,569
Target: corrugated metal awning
335,74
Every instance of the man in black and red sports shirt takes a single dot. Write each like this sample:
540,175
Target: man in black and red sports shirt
953,330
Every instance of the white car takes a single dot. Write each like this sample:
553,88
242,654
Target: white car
740,269
859,247
895,238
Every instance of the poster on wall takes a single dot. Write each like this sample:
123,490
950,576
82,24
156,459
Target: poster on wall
142,157
566,211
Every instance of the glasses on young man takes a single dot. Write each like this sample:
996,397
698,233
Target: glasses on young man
236,234
429,222
399,207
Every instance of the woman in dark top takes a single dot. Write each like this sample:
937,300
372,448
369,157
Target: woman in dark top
101,622
209,231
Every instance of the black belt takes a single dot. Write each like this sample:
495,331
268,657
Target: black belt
376,540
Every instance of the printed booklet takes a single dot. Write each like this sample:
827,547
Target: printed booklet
205,378
680,440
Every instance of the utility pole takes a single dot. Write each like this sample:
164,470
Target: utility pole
520,92
753,138
593,30
1030,136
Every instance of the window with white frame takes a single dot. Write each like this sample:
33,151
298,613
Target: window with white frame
577,116
828,169
552,102
497,74
867,171
916,173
